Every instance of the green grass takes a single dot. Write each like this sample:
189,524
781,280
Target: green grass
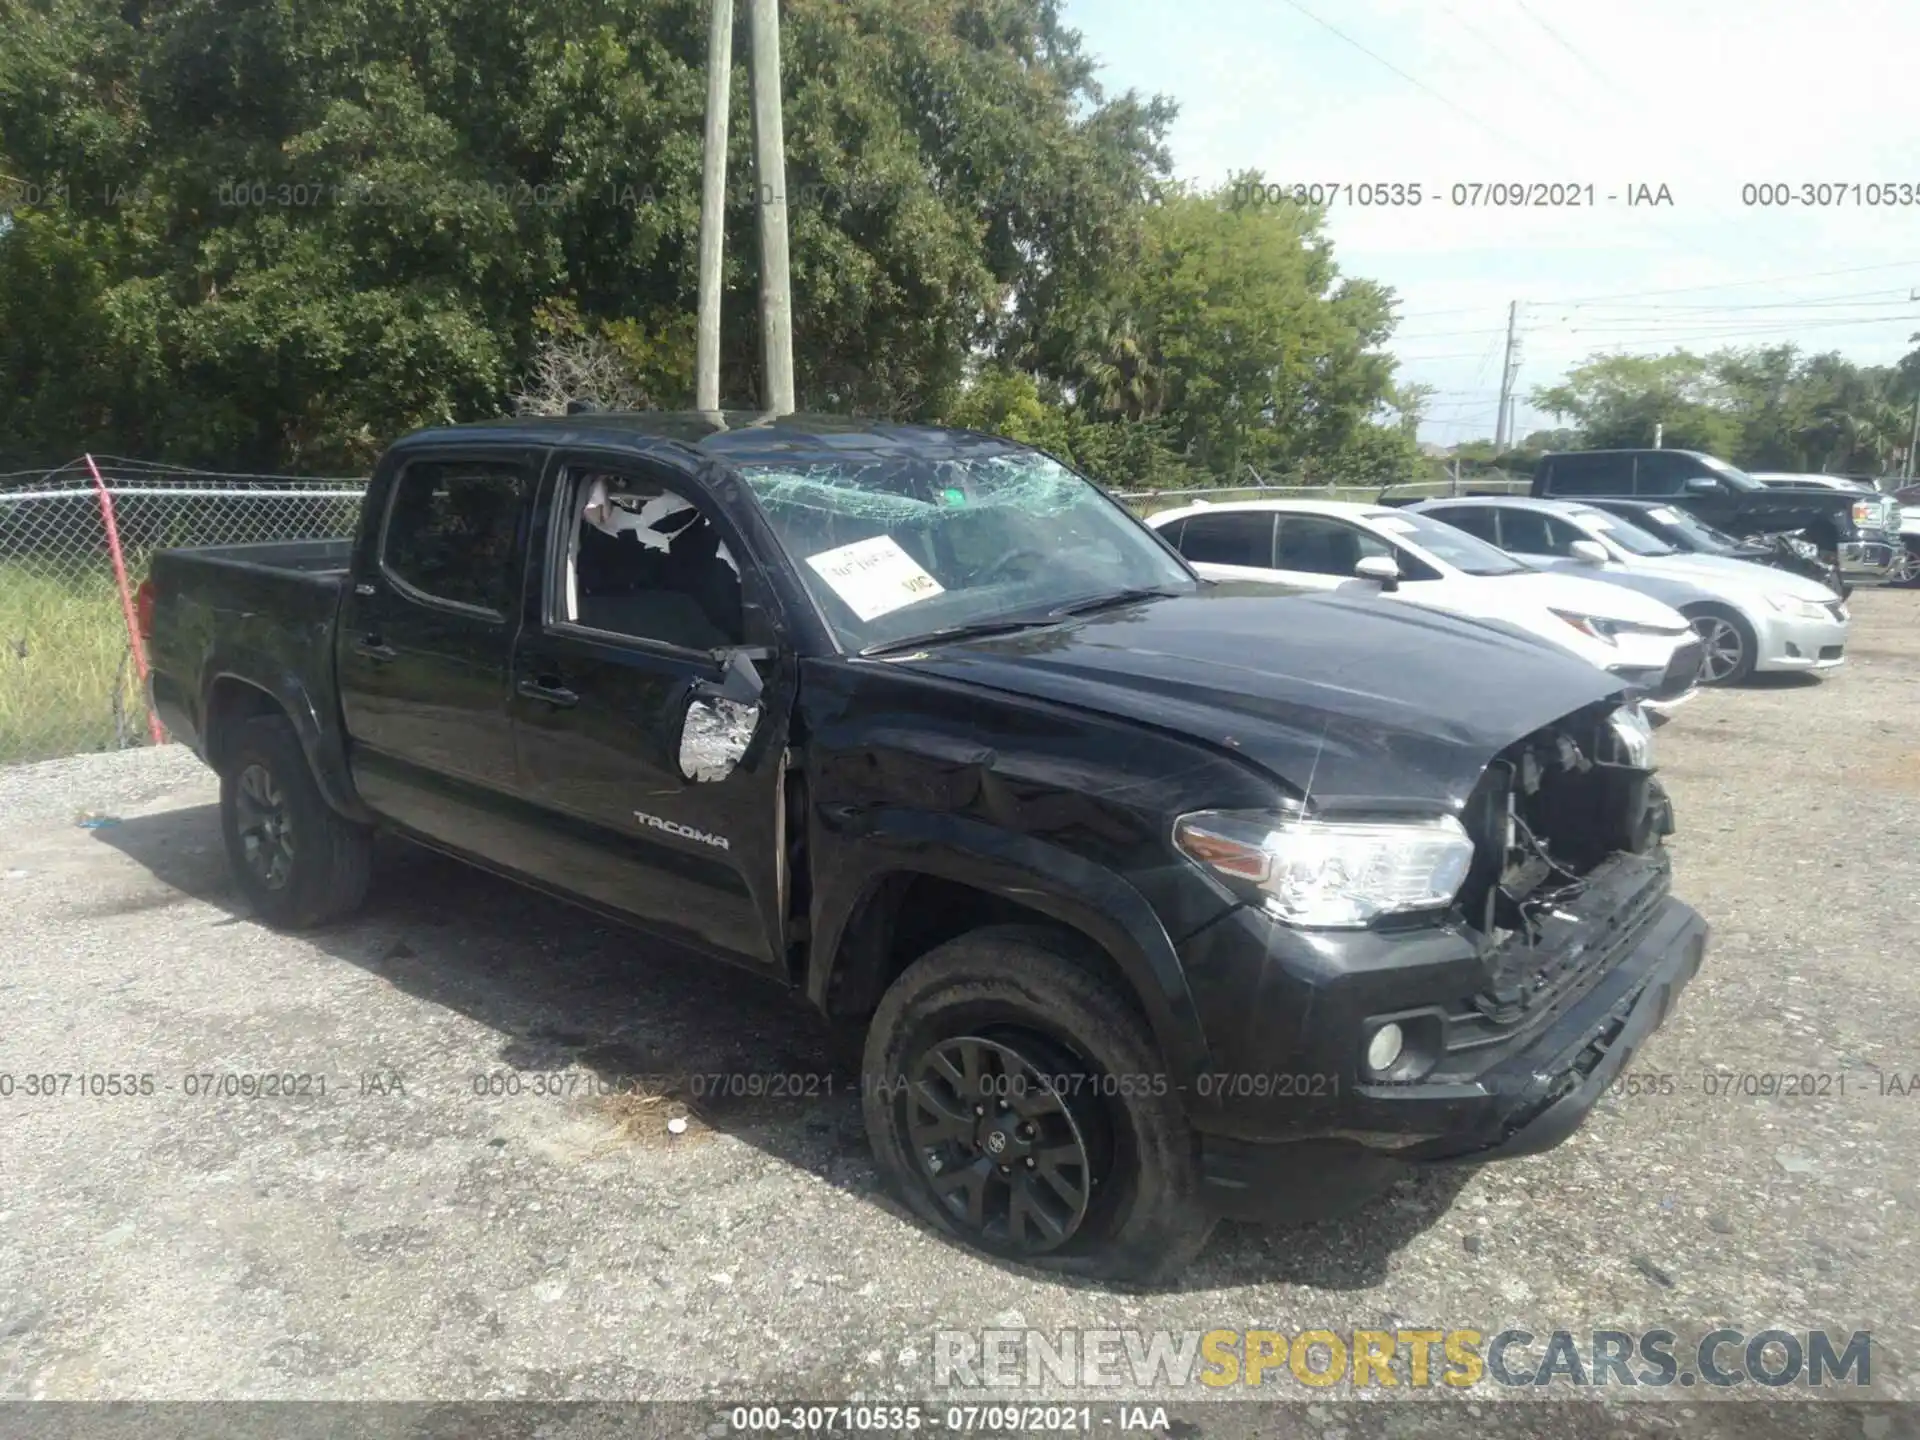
64,665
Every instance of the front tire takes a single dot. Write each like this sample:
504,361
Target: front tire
1019,1105
1907,565
1731,648
298,861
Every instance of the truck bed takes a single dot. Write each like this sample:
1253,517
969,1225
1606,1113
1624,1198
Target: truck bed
261,613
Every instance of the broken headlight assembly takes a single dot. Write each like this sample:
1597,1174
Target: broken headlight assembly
1330,874
1633,733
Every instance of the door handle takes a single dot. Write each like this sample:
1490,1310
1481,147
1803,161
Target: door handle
375,649
555,694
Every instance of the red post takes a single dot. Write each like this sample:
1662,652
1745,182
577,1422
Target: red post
126,596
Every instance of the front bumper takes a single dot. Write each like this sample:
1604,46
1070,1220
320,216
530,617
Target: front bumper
1870,560
1504,1085
1667,684
1793,642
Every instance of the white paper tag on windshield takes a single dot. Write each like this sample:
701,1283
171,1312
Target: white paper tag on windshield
874,576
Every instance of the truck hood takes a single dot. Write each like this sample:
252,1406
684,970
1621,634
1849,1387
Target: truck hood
1351,701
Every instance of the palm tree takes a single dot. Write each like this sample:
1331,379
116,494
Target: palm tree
1115,368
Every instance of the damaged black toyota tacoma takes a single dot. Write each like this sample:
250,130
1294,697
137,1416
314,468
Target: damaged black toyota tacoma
1156,900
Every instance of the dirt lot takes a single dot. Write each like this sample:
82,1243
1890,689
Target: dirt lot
403,1236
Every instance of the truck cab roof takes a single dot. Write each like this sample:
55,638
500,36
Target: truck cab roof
737,435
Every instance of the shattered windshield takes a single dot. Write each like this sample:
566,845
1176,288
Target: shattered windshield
901,547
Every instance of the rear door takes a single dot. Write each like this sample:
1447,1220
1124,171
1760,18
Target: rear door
1539,539
423,642
1319,552
1588,472
644,581
1229,544
1665,476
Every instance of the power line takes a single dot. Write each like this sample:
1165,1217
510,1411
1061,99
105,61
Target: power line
1419,84
1679,290
1560,40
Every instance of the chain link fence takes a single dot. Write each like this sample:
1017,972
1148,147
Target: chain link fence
68,679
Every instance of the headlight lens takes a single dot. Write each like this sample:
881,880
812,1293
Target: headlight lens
1609,631
1634,731
1331,874
1593,626
1794,605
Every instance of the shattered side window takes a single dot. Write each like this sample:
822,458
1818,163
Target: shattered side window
644,561
899,546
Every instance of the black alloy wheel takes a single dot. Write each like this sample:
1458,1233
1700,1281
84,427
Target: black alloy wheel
265,829
298,861
1018,1103
1005,1139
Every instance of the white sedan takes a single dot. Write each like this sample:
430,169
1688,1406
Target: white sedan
1751,617
1328,545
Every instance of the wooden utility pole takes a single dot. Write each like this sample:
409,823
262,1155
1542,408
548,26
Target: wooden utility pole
713,203
770,177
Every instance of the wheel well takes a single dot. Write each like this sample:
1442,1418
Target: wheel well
909,913
230,704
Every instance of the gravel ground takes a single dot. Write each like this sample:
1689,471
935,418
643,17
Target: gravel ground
401,1237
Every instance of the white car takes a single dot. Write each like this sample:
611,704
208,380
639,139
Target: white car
1328,545
1750,617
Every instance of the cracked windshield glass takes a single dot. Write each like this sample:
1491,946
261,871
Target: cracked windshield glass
893,550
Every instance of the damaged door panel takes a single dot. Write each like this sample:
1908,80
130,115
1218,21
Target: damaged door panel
647,735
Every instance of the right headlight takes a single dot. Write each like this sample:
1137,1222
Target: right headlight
1333,874
1804,609
1634,733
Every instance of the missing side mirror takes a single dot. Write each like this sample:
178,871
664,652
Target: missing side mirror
722,718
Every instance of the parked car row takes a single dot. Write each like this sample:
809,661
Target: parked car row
1856,533
1591,581
1154,899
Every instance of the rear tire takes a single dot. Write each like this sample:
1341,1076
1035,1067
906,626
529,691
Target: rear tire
1095,1175
298,861
1731,649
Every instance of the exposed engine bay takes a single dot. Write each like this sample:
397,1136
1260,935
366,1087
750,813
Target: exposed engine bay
1549,809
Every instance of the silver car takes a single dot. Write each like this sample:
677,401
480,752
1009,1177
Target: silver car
1750,617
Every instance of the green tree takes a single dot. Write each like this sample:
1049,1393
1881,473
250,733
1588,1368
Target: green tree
270,232
1623,401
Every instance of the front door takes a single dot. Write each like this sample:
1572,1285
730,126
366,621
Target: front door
424,640
640,598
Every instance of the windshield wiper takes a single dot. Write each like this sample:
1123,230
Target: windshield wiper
973,629
1117,597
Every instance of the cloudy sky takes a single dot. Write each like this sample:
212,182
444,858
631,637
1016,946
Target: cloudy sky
1702,96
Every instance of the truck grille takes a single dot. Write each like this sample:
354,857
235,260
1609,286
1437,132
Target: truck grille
1533,978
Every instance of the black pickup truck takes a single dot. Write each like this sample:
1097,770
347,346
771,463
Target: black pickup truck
1155,900
1857,536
